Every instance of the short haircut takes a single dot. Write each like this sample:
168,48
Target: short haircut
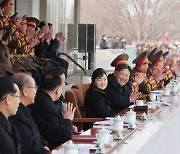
123,66
98,73
22,79
42,24
50,25
52,79
7,86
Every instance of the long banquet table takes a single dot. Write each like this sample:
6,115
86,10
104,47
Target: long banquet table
159,134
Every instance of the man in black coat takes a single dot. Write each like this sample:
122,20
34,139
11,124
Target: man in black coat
9,103
31,141
103,44
118,95
119,89
53,53
56,127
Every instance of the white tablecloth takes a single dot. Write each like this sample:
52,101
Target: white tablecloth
160,135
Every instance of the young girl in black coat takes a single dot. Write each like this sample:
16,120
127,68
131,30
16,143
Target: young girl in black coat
96,103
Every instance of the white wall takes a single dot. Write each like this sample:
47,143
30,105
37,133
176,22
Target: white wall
28,7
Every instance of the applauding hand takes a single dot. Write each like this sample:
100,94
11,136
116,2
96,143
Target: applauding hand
134,96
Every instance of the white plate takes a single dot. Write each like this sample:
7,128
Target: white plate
156,91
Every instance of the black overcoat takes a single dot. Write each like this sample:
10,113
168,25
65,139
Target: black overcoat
49,119
118,95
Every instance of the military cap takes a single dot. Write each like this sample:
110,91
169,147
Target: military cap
141,59
5,3
157,57
23,21
121,59
165,54
32,21
153,51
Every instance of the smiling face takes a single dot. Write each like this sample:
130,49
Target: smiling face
122,76
101,82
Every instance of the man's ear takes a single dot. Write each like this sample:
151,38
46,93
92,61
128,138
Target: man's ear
56,90
24,92
7,99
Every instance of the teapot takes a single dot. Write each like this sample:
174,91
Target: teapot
118,123
103,136
70,148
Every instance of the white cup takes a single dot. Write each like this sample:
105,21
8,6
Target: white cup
131,117
139,102
152,96
70,148
103,136
118,124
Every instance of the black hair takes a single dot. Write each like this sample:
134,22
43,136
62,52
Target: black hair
7,86
50,25
52,78
42,24
98,73
123,66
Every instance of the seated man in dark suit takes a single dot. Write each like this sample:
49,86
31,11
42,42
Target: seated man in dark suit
56,127
31,140
9,103
53,53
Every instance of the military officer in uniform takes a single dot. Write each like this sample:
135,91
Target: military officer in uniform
169,67
158,70
7,28
140,71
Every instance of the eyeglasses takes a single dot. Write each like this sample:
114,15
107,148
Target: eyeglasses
17,96
35,87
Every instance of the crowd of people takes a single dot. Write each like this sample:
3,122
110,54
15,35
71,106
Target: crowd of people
34,117
110,94
27,45
112,42
29,59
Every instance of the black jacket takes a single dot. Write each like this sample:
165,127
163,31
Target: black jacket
9,137
118,96
52,51
96,105
41,49
49,119
30,136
